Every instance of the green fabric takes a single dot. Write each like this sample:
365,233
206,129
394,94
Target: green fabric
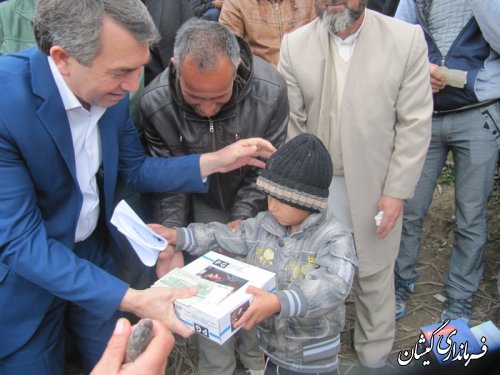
16,25
134,101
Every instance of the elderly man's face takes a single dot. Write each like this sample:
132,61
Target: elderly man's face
339,15
207,91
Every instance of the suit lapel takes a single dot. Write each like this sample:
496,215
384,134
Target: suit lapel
51,109
326,70
357,77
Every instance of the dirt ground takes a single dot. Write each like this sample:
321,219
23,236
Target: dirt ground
425,305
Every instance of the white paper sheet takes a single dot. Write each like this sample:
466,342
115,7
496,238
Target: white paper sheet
146,243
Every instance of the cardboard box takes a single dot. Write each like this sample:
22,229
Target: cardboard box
489,334
451,342
221,282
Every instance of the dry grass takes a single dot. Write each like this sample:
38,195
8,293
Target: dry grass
184,358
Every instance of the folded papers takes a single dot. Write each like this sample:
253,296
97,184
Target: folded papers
146,242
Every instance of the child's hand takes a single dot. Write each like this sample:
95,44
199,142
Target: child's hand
263,306
170,234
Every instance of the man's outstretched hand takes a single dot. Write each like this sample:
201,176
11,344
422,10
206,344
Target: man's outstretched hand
236,155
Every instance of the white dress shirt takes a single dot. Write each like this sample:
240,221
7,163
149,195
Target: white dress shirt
87,148
346,46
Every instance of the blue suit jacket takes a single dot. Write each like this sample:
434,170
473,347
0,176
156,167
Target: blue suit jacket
40,199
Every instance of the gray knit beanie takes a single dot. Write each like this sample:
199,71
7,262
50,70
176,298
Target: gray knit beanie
299,173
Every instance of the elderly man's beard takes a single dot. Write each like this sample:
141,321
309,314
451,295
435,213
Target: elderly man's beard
337,23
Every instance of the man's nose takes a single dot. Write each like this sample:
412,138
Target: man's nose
132,80
208,108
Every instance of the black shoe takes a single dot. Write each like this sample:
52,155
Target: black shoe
457,308
403,289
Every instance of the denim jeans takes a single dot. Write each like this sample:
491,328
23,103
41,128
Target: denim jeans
211,14
472,138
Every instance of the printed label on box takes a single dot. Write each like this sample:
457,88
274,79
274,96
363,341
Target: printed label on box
222,298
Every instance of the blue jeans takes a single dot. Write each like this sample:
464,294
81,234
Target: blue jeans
472,137
211,14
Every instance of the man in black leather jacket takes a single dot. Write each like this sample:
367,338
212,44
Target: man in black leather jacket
256,107
213,93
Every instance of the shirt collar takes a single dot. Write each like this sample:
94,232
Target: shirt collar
69,99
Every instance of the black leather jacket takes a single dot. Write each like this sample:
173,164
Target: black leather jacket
168,17
258,108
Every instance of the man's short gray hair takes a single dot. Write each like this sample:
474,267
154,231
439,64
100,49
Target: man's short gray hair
76,25
204,42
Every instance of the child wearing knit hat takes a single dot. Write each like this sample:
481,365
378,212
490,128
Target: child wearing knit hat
298,326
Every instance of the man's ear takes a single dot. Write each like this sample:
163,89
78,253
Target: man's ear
62,59
175,68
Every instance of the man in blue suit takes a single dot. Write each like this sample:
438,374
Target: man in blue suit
65,136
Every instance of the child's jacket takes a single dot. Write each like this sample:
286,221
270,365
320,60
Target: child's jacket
314,267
